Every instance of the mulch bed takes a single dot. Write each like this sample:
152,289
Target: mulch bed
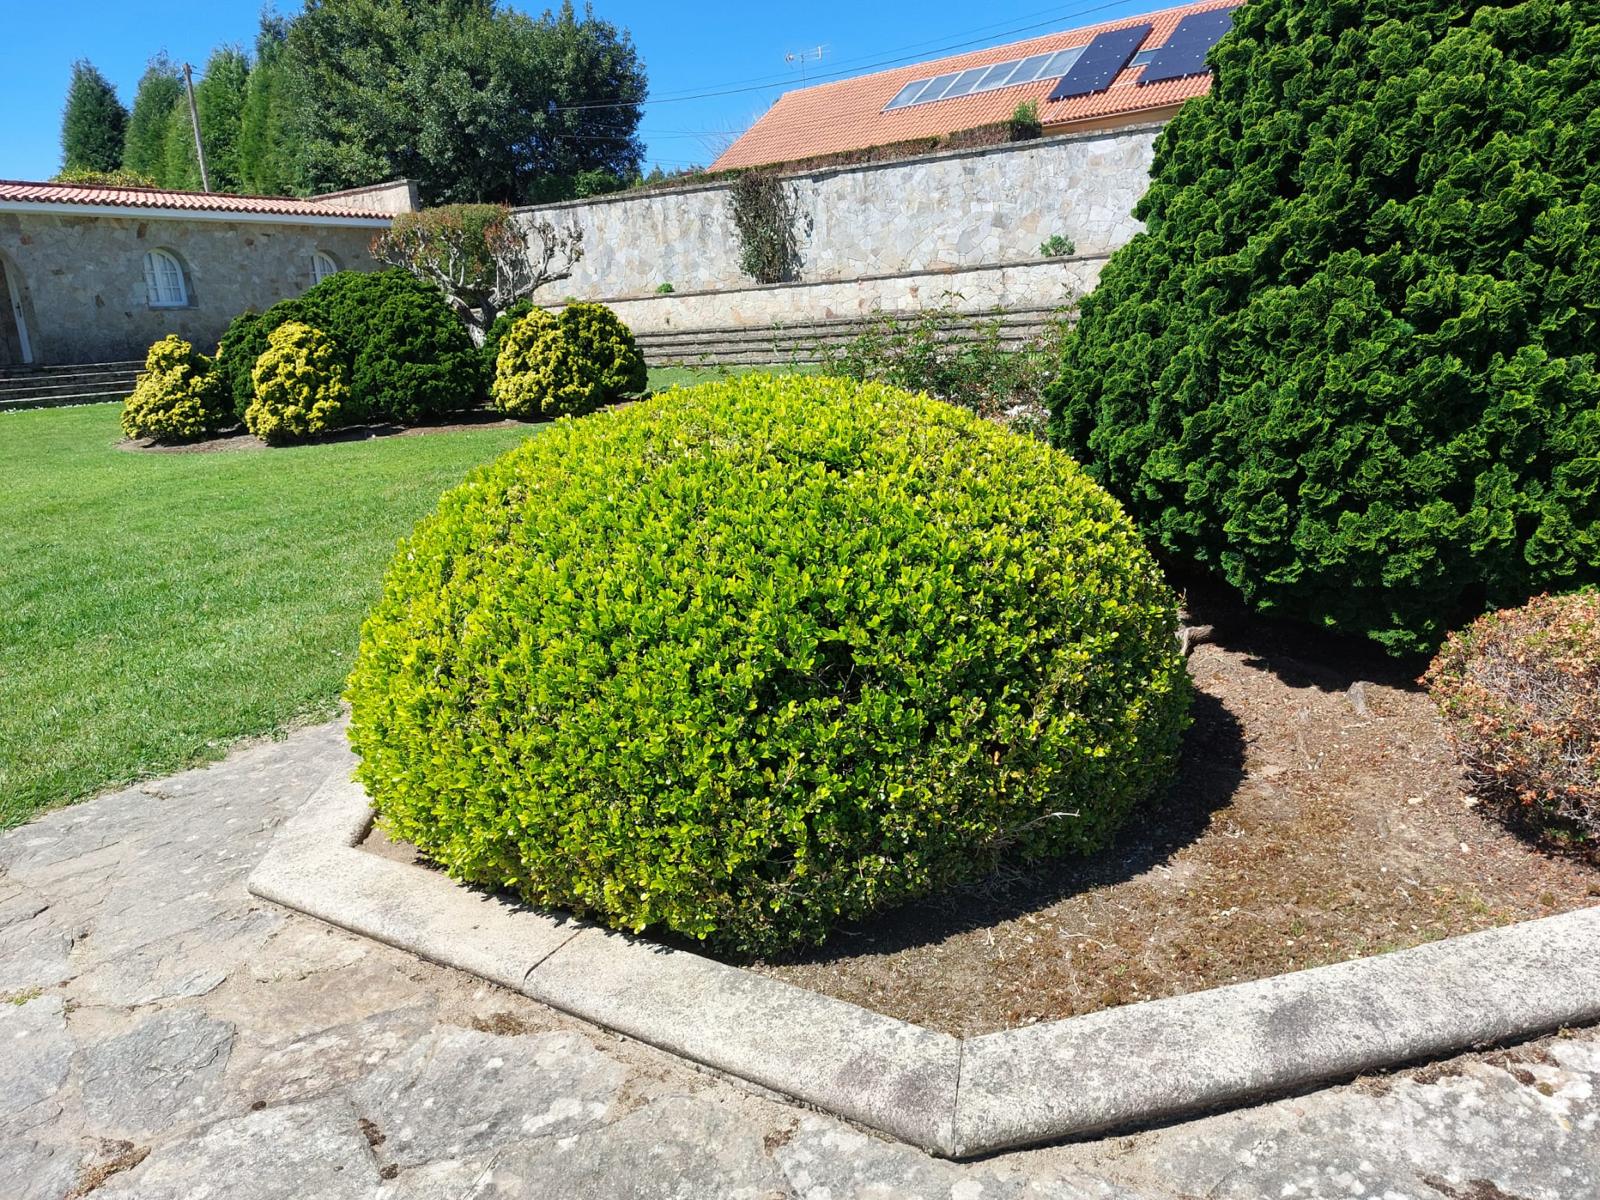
238,438
1318,816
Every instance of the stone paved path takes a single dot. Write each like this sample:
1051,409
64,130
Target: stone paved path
164,1036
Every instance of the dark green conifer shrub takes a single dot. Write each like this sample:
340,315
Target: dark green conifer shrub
1350,366
748,659
408,355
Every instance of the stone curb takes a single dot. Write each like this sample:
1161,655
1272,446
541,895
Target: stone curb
1087,1075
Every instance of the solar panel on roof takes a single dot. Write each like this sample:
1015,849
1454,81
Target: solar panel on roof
964,83
1184,53
1100,62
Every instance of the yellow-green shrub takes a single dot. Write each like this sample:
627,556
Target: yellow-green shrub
566,365
301,386
753,658
178,397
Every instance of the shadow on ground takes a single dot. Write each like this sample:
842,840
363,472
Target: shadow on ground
1211,770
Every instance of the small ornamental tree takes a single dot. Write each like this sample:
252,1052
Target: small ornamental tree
1350,365
479,256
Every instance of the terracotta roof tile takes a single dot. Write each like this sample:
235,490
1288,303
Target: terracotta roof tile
132,197
848,114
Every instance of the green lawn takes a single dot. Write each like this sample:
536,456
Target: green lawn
662,378
156,607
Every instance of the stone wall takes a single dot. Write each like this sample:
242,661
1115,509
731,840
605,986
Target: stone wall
1033,284
957,210
81,278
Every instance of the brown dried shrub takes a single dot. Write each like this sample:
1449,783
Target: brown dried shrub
1520,692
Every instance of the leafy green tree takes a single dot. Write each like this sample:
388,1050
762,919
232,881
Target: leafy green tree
1350,367
144,147
469,99
92,122
267,145
179,167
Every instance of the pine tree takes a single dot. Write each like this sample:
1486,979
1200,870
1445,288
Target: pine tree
220,99
92,123
179,167
160,91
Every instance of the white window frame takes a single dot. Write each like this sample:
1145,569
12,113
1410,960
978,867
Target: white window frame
164,284
323,264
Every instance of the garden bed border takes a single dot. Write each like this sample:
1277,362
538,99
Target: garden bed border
1093,1074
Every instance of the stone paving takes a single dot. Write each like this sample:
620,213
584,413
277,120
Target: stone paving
165,1036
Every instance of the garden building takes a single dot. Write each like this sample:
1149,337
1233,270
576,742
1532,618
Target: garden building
92,274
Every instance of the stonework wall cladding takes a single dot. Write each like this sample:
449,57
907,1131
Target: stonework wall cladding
1040,284
961,209
83,287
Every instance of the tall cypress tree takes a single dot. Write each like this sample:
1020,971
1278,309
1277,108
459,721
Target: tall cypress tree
93,122
1350,367
145,145
267,144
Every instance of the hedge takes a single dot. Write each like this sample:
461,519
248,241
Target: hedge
1351,365
749,659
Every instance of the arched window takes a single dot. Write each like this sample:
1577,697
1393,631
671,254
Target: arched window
163,280
322,265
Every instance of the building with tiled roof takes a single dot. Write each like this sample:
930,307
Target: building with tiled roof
92,273
983,87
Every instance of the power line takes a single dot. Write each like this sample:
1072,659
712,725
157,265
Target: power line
841,73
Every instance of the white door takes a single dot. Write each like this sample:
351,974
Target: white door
14,298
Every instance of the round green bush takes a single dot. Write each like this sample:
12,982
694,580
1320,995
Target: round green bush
245,341
301,386
748,659
1519,691
601,337
408,355
1351,365
566,365
179,397
496,334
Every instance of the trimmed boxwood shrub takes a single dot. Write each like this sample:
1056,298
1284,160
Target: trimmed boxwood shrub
179,396
1350,366
748,659
301,386
1520,693
408,355
566,365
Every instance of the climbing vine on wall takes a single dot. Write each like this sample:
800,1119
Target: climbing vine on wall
764,214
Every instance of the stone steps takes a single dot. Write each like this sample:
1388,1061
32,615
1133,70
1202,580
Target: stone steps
807,342
85,383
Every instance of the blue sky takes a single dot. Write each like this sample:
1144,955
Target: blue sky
737,49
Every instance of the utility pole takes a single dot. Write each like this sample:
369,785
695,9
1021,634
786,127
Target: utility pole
194,121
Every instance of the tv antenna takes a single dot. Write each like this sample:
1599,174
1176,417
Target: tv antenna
799,58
